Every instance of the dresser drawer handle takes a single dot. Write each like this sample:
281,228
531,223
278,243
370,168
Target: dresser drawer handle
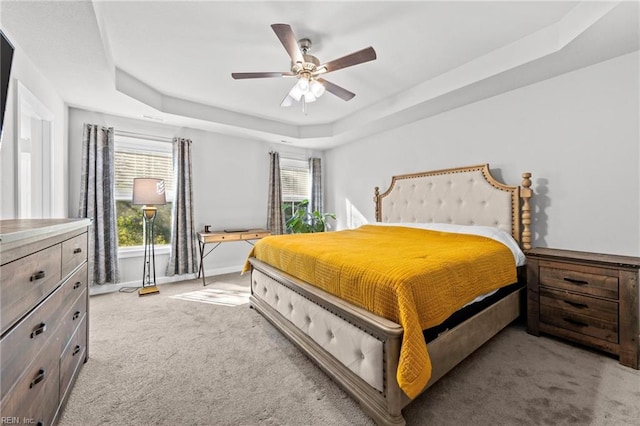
76,314
576,323
37,276
76,285
577,282
576,305
39,329
76,251
76,350
39,377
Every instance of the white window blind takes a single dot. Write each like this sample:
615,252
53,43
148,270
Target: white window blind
141,158
295,179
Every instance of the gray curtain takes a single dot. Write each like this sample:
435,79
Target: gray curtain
316,202
97,202
183,243
275,216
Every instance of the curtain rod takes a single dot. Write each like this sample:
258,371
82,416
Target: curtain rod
143,136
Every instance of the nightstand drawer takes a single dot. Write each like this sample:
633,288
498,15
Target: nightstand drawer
593,281
579,323
576,304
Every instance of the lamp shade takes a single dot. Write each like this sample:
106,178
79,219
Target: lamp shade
148,192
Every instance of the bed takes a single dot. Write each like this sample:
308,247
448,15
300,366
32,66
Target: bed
371,349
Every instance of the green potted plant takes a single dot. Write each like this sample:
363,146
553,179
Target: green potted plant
304,221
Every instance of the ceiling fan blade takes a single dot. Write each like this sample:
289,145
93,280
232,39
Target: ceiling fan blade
243,75
288,40
340,92
355,58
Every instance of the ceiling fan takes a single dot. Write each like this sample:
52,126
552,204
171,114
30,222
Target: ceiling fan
308,70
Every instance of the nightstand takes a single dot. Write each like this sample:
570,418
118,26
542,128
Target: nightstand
588,298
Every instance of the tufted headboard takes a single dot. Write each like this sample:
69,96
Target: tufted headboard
463,196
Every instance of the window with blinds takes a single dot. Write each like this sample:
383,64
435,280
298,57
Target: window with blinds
137,157
294,179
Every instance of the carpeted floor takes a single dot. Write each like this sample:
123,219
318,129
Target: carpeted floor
171,359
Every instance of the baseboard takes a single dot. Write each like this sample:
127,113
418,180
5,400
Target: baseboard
110,288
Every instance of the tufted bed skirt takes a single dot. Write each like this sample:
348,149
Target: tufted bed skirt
359,351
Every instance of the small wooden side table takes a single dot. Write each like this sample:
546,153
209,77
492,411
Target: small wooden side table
588,298
219,237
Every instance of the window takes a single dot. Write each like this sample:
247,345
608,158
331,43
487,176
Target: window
296,184
136,157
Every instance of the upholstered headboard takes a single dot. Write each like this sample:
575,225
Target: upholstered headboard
463,196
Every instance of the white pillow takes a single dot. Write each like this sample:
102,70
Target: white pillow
483,231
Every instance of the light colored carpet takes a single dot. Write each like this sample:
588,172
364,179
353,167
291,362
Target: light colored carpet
222,293
163,360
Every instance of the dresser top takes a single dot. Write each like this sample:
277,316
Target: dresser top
23,230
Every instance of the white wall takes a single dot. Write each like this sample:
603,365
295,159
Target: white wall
36,82
578,134
230,186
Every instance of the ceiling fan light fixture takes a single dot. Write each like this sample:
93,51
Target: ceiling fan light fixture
317,88
287,101
303,84
295,92
309,97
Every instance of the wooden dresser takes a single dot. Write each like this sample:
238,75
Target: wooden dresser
43,316
588,298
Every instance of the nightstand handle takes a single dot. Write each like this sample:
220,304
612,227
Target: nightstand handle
576,305
574,281
576,323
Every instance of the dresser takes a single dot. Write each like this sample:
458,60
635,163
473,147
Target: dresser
43,316
588,298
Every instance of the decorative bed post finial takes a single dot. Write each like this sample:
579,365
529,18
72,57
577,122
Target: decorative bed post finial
526,193
376,198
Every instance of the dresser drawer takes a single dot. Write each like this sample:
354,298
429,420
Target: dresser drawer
35,397
74,252
37,332
73,355
593,281
27,281
74,286
71,318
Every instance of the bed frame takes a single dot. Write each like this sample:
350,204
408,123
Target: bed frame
360,350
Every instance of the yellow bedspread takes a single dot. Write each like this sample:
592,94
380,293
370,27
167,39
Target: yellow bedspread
416,278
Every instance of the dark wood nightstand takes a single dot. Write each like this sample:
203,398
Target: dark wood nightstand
587,298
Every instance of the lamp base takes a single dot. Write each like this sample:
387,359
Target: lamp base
152,289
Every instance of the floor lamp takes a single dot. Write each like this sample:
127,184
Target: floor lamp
148,193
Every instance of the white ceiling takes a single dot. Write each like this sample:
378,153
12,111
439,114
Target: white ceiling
172,61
